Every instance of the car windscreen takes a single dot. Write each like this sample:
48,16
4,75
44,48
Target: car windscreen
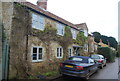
95,57
82,60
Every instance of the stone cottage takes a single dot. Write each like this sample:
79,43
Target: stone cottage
38,40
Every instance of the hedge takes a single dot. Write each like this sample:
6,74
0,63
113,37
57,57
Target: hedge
107,53
118,51
117,54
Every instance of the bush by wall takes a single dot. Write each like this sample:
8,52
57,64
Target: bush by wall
107,53
117,54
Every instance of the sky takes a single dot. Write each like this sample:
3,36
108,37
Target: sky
99,15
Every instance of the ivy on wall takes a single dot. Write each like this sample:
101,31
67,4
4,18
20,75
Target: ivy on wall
81,39
50,34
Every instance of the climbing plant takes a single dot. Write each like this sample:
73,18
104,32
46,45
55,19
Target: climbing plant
80,39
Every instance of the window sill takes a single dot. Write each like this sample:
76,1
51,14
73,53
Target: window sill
38,29
59,57
35,61
60,34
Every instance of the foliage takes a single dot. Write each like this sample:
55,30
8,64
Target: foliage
117,54
113,42
50,73
19,5
97,36
107,53
50,34
118,51
81,39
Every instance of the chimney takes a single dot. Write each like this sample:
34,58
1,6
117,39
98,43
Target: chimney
100,40
42,4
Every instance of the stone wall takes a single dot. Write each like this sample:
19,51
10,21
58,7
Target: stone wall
7,12
18,42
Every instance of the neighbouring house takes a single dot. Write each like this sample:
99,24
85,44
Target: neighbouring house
92,45
35,40
101,44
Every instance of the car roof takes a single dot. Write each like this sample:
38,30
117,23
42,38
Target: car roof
85,57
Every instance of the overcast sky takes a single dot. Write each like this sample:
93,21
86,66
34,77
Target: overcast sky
99,15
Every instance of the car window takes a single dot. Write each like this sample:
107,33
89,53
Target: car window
79,59
82,60
101,57
95,57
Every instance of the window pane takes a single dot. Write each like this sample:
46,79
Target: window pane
40,56
57,52
34,56
34,50
40,50
37,21
70,52
60,29
60,52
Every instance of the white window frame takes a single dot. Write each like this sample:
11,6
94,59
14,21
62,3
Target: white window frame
58,52
69,52
37,60
38,21
74,34
60,29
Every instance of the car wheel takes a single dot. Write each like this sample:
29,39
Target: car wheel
105,64
96,71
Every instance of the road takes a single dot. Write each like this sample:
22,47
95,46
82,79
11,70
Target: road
108,72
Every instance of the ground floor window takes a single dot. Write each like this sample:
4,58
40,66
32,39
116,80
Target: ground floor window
37,54
69,52
59,52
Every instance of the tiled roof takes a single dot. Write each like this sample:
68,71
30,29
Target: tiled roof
49,14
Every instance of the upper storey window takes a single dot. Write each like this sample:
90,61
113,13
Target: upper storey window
37,21
60,29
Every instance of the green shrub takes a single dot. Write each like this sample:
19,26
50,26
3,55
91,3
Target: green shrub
107,53
117,54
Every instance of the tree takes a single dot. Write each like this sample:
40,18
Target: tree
105,39
97,36
113,42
